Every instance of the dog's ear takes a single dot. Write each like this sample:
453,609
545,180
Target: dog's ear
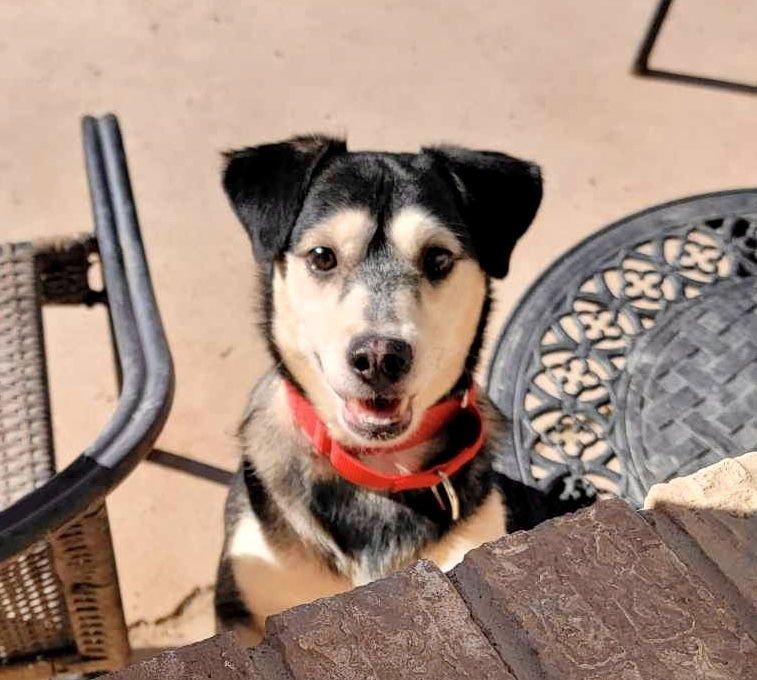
267,185
498,197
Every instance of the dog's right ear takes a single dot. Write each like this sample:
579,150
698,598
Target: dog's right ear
267,185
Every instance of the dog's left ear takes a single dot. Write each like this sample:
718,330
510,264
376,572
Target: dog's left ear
267,185
498,197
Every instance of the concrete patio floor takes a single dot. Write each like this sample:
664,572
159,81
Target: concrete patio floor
544,80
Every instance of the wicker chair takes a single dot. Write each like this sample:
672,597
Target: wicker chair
60,606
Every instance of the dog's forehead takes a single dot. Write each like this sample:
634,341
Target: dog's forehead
382,186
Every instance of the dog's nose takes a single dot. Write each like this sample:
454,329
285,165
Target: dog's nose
380,361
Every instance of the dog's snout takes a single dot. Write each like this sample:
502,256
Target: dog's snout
379,361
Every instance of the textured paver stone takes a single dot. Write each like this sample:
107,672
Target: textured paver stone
410,625
717,508
219,658
598,596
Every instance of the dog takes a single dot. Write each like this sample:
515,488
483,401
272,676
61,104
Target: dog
368,445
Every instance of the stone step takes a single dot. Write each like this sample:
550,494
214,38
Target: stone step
604,594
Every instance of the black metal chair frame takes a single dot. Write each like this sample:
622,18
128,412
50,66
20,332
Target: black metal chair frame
55,540
143,356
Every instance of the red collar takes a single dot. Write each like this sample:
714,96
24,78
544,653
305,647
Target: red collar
351,469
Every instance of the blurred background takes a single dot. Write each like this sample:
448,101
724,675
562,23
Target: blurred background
544,80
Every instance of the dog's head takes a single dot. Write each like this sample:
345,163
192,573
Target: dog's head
376,269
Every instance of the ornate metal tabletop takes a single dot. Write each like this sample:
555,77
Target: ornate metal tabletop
633,358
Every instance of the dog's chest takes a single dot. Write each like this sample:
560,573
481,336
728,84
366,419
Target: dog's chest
273,576
376,535
371,532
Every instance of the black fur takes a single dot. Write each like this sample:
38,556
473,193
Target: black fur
243,497
498,197
267,185
229,606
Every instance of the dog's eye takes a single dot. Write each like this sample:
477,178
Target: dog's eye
437,263
321,259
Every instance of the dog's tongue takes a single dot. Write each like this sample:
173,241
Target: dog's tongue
378,409
380,419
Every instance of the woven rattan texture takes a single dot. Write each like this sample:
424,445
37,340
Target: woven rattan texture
33,617
60,607
84,561
26,459
32,609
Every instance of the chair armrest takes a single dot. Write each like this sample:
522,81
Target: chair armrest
141,348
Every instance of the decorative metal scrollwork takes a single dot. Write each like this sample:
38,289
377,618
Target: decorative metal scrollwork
565,406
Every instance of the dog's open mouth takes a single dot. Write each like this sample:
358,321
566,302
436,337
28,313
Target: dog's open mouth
378,418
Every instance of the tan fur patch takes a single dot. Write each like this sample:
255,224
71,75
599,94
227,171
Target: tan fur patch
414,229
445,321
445,324
347,232
313,327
